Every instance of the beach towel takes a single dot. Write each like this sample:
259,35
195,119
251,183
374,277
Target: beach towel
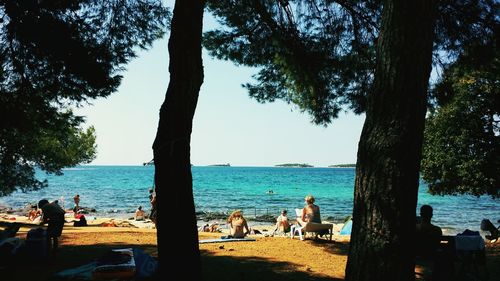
469,241
83,272
145,267
222,240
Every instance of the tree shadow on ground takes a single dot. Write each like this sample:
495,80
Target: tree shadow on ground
332,247
222,268
30,269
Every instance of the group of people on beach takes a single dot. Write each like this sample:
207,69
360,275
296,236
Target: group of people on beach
238,225
428,233
52,214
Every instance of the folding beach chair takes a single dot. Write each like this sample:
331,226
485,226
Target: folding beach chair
314,227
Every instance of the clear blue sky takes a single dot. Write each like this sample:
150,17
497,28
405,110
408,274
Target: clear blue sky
228,126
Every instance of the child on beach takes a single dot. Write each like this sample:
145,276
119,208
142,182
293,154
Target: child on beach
238,225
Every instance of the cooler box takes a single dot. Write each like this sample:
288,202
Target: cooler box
117,264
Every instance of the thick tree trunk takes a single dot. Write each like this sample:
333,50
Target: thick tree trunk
389,152
176,221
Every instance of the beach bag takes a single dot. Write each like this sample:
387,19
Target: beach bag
81,222
36,243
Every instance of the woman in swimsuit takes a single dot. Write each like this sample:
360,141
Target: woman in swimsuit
310,213
238,225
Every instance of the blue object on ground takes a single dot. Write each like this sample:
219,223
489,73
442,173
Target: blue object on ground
145,265
346,229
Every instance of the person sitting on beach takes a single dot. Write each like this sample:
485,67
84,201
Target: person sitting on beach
310,213
139,214
428,235
34,213
487,225
282,223
52,214
429,248
238,225
213,227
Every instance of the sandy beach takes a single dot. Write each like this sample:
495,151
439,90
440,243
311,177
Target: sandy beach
267,258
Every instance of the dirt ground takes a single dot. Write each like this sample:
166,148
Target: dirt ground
267,258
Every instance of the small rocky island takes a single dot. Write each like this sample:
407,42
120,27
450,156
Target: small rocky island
343,166
295,165
221,165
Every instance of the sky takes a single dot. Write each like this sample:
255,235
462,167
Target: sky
228,127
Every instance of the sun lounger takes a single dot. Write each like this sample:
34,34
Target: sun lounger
310,227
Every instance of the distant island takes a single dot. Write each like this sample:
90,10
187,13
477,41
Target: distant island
221,165
152,163
343,166
295,165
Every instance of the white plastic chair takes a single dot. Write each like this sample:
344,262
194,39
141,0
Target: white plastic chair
309,227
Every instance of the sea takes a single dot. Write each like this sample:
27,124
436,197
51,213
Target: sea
116,191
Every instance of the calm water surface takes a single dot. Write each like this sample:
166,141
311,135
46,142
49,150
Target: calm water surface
118,190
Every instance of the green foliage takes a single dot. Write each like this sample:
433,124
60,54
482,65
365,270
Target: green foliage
462,136
316,55
56,55
320,55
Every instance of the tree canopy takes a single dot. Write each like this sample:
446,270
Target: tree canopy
318,55
57,55
462,136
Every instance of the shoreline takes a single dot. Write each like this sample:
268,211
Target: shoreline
92,221
97,218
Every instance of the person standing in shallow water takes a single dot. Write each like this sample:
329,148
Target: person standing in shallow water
76,199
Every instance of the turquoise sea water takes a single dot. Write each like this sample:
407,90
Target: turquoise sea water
118,190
